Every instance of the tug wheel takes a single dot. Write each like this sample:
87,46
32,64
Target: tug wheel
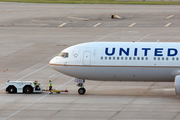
12,89
81,91
28,90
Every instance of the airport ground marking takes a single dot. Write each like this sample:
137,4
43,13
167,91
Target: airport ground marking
145,37
32,72
7,100
97,24
78,18
25,107
105,37
131,25
52,76
62,24
167,25
35,101
28,74
122,37
65,83
170,16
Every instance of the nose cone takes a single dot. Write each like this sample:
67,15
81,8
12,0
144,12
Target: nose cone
53,62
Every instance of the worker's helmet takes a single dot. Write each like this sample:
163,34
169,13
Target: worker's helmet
49,80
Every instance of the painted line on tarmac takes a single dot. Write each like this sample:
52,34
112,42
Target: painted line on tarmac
35,101
7,100
65,83
105,37
131,25
122,37
32,72
97,24
28,74
52,76
78,18
62,24
145,37
25,107
170,16
167,25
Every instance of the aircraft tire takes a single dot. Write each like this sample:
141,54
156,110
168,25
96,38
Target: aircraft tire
81,91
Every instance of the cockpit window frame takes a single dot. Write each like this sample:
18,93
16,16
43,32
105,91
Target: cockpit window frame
64,54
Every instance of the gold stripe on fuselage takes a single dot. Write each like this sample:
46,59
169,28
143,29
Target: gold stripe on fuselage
114,66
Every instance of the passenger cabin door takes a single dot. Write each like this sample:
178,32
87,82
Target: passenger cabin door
87,58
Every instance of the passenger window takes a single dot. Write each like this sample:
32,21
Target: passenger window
138,58
177,58
121,58
117,58
142,58
105,58
109,58
158,58
125,58
173,58
154,58
166,58
162,58
101,58
113,58
134,58
146,58
129,58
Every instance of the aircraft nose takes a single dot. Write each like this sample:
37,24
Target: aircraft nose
53,62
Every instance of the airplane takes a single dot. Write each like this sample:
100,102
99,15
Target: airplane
120,61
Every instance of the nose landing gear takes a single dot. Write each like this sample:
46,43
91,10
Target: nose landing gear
80,82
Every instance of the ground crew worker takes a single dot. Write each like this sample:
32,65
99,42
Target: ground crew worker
50,87
36,85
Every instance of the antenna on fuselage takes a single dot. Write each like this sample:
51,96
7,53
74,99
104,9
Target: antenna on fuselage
157,40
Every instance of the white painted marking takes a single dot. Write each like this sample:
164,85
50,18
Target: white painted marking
2,88
65,83
25,107
7,100
62,24
32,24
131,25
35,101
32,72
170,16
168,24
29,74
78,18
145,37
52,76
105,36
97,24
122,37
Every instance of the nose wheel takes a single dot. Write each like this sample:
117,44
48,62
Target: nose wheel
81,91
80,82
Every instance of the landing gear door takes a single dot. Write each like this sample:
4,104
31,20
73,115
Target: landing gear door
87,58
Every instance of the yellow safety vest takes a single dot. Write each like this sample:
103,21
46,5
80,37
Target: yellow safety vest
50,84
35,84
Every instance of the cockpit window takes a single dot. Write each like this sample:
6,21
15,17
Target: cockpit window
64,54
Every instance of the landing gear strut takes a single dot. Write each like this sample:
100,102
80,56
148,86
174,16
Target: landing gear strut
80,82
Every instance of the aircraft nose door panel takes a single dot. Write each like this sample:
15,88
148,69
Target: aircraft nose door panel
87,58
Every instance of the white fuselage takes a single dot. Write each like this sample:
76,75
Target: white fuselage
120,61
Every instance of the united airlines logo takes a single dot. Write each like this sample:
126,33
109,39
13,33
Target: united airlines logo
145,51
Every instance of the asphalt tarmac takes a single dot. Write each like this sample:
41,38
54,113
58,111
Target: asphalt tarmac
32,34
